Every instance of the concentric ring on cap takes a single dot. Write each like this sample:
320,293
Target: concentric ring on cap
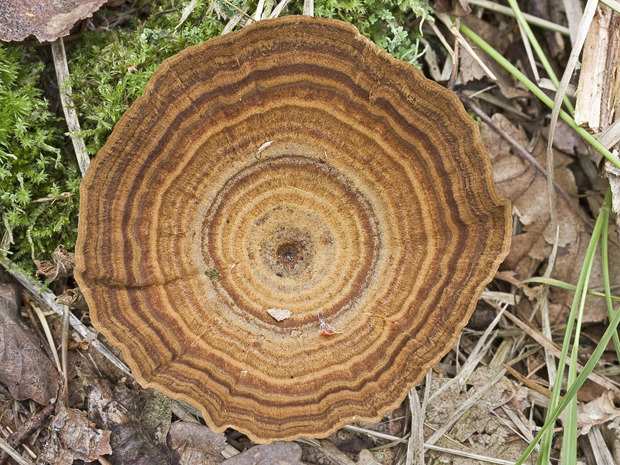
294,166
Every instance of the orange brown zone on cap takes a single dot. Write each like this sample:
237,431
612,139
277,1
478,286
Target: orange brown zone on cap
391,201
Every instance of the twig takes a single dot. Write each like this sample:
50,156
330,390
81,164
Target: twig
27,429
13,453
62,73
46,298
534,386
64,351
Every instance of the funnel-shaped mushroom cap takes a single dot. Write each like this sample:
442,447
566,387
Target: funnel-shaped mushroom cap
294,166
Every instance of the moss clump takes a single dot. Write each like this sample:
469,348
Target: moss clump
109,69
38,180
387,23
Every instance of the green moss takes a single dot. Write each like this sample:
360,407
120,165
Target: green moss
387,23
38,180
109,69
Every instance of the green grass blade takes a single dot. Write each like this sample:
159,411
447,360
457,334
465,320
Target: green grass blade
605,210
556,408
538,93
539,51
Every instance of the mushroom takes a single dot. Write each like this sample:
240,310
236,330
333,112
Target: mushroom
291,165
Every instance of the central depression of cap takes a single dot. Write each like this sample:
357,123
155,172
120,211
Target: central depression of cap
293,166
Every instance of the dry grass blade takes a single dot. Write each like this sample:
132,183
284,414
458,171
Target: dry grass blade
278,9
48,335
574,13
602,454
259,10
469,455
530,18
308,7
528,51
543,341
65,352
376,434
46,298
184,15
13,453
461,40
62,74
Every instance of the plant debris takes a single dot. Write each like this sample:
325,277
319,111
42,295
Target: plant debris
281,453
74,437
64,263
45,19
24,369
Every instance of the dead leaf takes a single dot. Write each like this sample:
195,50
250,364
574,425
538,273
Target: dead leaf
73,437
24,368
118,412
471,71
73,298
280,453
517,180
192,443
64,263
596,412
46,19
566,139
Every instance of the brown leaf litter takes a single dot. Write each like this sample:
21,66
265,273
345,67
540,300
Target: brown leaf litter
45,19
26,371
64,263
74,437
526,187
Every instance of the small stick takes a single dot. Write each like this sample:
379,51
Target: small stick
33,423
534,386
64,353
